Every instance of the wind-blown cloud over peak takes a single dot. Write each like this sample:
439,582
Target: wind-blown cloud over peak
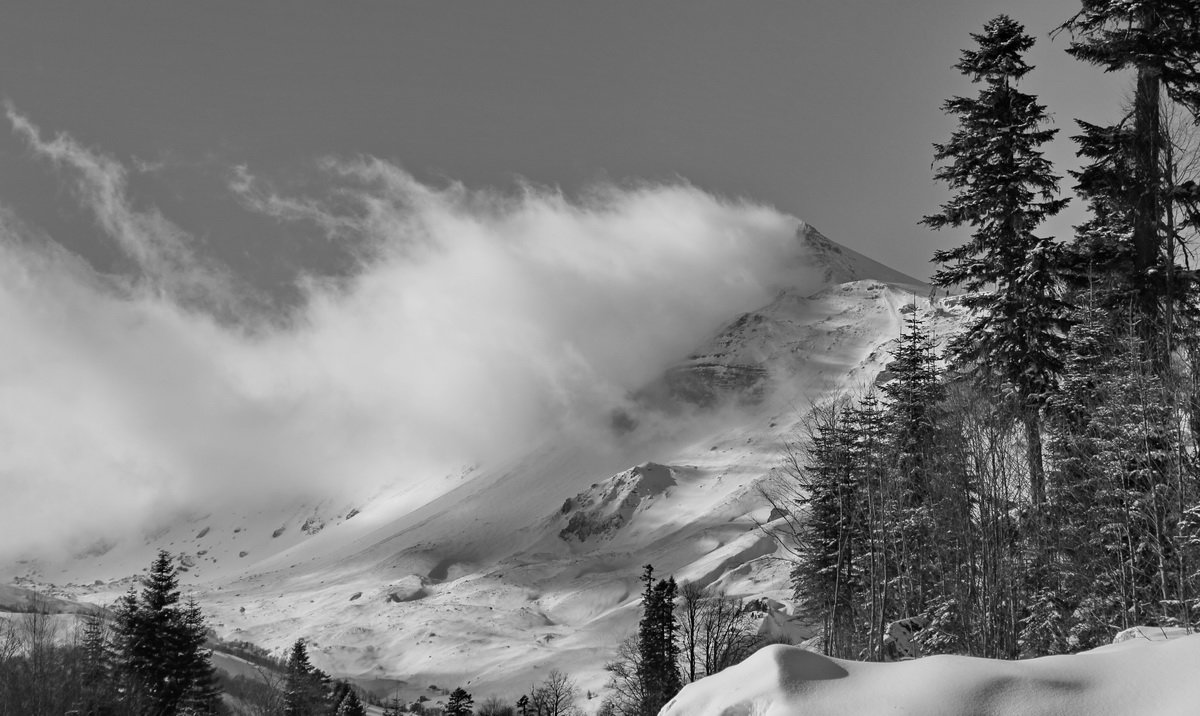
476,323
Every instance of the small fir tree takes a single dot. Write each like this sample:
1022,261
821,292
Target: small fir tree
202,694
346,701
306,689
97,692
460,703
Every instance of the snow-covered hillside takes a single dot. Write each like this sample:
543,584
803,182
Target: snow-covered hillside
491,576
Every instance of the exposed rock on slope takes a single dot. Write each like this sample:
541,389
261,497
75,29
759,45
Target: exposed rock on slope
603,508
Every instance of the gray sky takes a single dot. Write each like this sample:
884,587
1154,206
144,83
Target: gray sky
825,109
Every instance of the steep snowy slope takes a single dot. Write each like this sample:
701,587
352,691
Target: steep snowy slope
493,575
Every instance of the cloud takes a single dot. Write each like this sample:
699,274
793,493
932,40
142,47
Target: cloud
477,323
158,247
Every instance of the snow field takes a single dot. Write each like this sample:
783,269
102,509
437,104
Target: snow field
1134,678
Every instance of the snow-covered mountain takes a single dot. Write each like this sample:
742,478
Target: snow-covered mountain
491,576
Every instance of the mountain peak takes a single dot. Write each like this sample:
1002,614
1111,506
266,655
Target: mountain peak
842,265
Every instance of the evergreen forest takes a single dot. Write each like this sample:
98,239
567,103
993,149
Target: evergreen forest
1032,489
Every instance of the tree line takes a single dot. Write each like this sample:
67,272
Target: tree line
1036,488
150,657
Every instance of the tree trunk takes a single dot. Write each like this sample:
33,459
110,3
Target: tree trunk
1147,239
1033,453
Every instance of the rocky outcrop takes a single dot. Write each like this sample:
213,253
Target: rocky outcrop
601,510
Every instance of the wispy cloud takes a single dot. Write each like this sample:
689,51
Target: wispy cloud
159,248
256,196
477,323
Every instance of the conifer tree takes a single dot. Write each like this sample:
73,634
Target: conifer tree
658,666
915,398
143,629
914,412
306,690
460,703
1160,41
97,688
833,538
875,472
1085,594
1144,212
202,694
1004,189
672,680
1119,556
345,701
162,663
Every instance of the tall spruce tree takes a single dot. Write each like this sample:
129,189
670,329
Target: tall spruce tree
658,666
1160,41
672,680
1004,189
162,663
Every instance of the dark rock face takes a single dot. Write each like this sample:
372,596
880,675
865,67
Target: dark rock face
707,384
600,511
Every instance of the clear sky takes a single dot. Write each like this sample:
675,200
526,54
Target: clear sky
825,109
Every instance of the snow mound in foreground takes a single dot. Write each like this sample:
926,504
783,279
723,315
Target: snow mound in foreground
1135,678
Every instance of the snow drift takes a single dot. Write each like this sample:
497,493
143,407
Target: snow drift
1136,677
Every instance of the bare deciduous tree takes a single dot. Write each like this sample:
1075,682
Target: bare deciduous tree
555,696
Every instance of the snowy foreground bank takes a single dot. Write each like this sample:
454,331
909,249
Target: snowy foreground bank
1133,678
